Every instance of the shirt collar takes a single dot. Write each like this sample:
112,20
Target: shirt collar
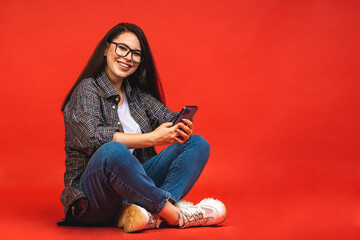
108,89
128,89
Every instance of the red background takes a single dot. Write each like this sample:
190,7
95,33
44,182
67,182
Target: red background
276,82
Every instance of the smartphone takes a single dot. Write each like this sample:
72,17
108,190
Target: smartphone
187,112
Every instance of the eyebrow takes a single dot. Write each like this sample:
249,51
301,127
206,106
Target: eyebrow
130,47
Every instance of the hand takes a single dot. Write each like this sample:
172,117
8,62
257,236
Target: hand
184,130
165,134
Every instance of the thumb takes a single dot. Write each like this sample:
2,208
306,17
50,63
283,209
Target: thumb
167,124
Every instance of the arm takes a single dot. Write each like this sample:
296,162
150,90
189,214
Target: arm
163,135
156,111
86,130
85,127
159,113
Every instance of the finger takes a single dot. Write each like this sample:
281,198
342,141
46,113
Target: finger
174,128
179,140
185,128
188,122
183,135
167,124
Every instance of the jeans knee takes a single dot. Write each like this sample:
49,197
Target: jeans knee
115,155
201,144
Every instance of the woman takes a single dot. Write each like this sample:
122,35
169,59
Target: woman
114,116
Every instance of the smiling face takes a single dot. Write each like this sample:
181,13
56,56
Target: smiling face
118,68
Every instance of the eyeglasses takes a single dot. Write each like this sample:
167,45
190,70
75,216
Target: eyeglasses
123,50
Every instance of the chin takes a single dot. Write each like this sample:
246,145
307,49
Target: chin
119,73
123,75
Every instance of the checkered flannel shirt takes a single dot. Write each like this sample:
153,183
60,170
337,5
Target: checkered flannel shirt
91,119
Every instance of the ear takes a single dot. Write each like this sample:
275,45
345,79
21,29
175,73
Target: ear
107,47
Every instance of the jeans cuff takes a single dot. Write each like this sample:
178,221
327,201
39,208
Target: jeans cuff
162,204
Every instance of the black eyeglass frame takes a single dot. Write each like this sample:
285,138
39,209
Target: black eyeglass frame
130,50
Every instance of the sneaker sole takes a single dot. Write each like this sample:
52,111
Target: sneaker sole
222,206
135,220
225,213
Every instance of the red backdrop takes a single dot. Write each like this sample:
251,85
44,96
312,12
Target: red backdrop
276,82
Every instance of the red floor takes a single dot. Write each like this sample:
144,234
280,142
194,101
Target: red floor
249,218
257,210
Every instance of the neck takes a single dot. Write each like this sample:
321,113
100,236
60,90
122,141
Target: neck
117,85
115,80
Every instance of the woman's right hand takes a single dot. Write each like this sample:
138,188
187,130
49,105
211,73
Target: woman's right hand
165,134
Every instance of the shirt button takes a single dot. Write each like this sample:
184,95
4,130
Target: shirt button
118,123
114,107
117,99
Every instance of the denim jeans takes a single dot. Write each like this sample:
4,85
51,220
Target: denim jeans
113,174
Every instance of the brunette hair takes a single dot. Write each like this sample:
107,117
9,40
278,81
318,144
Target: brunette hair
145,77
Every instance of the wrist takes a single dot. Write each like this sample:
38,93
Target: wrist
115,136
150,139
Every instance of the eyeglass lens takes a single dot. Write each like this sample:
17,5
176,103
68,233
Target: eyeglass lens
123,51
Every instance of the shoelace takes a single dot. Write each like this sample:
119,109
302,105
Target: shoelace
154,221
192,217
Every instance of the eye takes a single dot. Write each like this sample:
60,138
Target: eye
137,53
123,48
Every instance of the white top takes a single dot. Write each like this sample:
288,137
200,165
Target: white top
128,123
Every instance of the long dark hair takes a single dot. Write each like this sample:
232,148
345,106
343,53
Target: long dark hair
145,77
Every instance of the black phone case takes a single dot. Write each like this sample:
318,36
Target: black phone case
187,112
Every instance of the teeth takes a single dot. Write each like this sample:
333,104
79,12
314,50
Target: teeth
124,65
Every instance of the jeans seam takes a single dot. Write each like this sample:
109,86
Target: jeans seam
131,189
176,167
159,206
86,185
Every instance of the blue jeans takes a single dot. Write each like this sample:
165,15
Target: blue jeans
113,174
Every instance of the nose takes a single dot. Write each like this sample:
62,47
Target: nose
128,56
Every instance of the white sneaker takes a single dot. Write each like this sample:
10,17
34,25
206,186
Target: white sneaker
183,203
135,218
153,218
208,212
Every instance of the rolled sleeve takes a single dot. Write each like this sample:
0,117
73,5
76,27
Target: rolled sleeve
156,111
85,127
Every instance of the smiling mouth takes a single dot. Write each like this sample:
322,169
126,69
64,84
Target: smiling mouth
124,65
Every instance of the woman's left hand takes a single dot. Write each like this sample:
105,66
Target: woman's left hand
184,130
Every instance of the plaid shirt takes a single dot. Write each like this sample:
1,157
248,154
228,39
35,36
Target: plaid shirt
91,119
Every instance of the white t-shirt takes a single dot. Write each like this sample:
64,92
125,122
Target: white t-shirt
128,123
